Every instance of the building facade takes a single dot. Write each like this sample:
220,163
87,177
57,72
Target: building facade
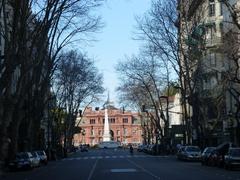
203,28
125,126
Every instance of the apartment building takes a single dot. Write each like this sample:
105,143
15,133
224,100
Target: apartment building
202,30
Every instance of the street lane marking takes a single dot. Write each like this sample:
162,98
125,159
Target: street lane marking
143,169
92,171
122,170
107,157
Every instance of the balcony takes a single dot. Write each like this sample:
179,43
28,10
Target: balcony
214,42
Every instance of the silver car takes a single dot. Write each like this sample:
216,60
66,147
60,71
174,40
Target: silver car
36,159
190,153
232,158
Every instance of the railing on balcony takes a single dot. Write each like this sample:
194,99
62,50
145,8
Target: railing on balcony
214,41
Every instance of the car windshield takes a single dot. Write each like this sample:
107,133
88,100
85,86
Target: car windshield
192,149
235,152
34,154
40,153
209,149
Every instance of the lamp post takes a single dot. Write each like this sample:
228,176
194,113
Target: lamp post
166,129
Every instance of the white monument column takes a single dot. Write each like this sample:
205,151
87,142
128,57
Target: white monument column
106,133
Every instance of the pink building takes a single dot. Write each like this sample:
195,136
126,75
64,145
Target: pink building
125,127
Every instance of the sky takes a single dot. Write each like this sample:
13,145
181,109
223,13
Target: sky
116,38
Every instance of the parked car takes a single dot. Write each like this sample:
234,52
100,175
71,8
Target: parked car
180,153
36,159
212,158
23,160
43,157
150,148
145,148
205,154
156,149
232,158
140,148
222,150
83,148
190,153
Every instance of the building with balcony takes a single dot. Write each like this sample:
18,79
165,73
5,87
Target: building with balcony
125,126
203,26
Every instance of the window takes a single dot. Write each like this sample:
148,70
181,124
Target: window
125,131
99,132
112,120
103,120
211,7
92,132
92,121
125,120
212,58
118,132
221,8
211,34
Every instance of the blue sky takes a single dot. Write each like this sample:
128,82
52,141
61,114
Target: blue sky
115,40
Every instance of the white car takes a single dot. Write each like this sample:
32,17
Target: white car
36,159
43,157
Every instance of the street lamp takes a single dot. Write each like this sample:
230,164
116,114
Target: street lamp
167,116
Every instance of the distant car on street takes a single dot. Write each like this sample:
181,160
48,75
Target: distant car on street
180,152
43,157
205,154
83,148
23,160
36,159
109,144
221,151
140,148
232,158
190,153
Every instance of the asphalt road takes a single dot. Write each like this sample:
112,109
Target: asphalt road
118,164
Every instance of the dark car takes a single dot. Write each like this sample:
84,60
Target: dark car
180,153
232,158
43,157
212,158
156,149
222,150
23,160
205,154
140,148
83,148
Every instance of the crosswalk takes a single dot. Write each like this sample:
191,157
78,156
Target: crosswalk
111,157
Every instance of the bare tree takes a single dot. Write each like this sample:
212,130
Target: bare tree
77,81
177,35
142,81
34,33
